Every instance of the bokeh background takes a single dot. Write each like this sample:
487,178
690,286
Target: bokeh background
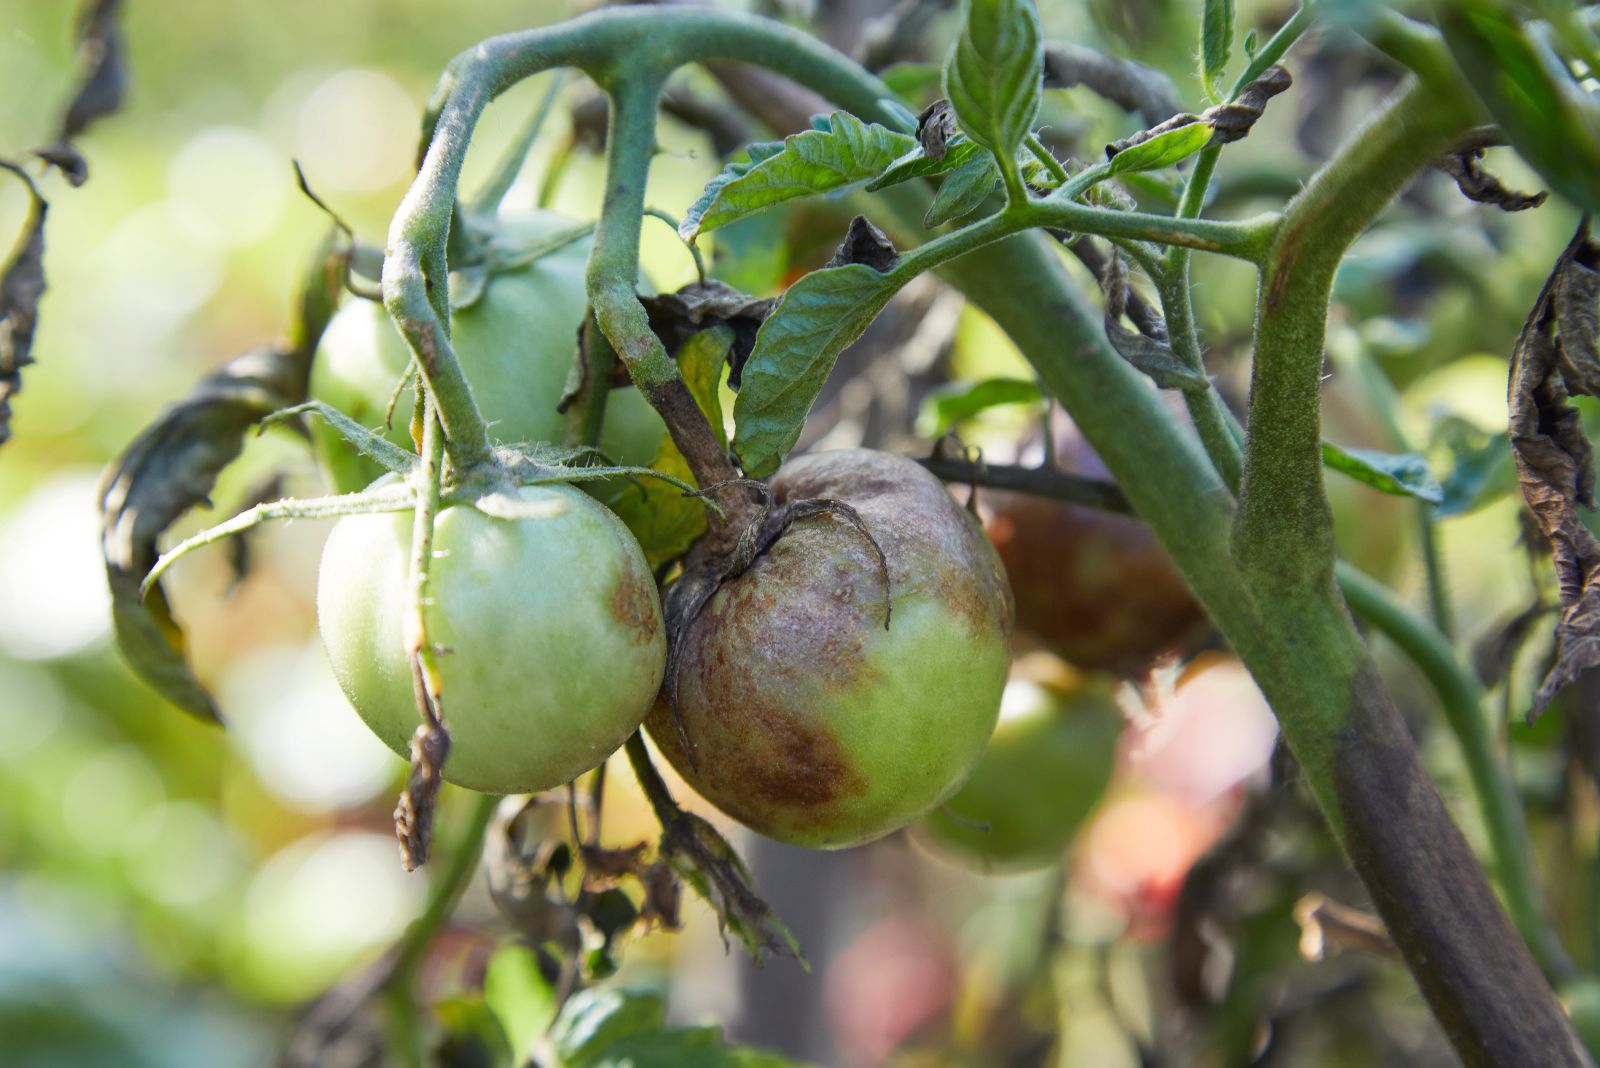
171,893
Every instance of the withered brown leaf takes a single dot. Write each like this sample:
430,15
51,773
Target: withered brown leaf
173,465
1555,357
21,286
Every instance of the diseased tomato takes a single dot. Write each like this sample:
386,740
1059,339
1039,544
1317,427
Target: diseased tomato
1094,588
806,719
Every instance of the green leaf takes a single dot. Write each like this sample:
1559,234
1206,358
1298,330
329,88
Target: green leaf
1545,114
597,1018
795,349
1401,474
846,151
516,992
607,1028
1162,150
962,191
918,164
959,401
1216,43
659,515
994,73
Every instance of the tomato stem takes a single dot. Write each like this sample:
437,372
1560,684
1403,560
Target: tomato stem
401,986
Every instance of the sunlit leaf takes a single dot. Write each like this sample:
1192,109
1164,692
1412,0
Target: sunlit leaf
995,72
797,346
660,516
520,997
846,151
1162,150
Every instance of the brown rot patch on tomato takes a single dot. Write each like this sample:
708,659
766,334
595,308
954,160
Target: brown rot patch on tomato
806,766
978,596
633,603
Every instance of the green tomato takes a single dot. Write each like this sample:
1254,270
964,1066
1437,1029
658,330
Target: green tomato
806,718
1044,772
553,626
516,344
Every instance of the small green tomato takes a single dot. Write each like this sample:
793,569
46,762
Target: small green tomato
552,625
516,345
1044,772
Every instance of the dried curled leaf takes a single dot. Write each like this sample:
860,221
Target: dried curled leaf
413,813
867,245
170,468
1233,120
103,82
21,285
102,85
1147,348
677,317
1182,135
702,858
1479,186
935,126
1556,357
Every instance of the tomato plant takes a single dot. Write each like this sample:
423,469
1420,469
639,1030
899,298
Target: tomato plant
555,632
825,654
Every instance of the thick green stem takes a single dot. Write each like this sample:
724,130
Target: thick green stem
1214,423
1463,700
1284,539
613,268
1304,653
